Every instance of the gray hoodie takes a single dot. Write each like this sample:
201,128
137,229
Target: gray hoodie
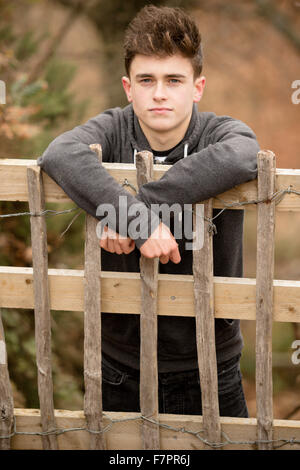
216,154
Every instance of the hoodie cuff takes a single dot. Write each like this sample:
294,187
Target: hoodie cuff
148,224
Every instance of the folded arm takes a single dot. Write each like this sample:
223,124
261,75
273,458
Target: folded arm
70,162
229,159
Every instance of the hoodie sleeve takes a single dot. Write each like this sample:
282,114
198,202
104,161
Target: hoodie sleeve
70,162
229,158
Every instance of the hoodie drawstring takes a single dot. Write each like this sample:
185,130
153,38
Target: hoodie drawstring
161,159
185,152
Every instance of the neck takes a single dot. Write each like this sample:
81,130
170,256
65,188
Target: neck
162,142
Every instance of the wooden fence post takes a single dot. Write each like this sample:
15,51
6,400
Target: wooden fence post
6,396
41,305
205,323
92,330
148,327
264,297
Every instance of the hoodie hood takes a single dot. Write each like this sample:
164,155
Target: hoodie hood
189,143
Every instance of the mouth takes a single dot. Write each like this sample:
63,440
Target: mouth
160,110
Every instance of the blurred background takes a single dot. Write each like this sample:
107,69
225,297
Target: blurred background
62,62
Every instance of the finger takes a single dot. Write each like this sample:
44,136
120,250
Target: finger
103,243
104,232
149,253
164,259
103,236
117,247
110,245
175,255
131,246
127,245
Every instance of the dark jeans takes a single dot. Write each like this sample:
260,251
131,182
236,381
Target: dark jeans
179,392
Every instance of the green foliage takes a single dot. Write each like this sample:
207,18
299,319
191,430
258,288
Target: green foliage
27,45
284,374
36,111
54,100
67,332
6,34
36,108
19,337
67,249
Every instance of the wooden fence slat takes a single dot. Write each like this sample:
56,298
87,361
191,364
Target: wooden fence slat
92,331
148,327
264,298
42,305
6,396
205,323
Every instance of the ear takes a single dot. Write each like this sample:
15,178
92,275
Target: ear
199,88
127,88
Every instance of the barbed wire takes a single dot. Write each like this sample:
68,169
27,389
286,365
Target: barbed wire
277,196
48,212
39,214
197,434
127,183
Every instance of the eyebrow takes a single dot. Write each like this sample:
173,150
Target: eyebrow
169,75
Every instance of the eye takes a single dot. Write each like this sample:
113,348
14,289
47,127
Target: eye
146,81
174,81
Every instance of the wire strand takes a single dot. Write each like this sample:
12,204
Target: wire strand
214,445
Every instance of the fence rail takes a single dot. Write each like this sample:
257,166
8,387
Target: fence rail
149,294
121,293
13,186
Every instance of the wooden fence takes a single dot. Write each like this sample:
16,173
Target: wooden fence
149,294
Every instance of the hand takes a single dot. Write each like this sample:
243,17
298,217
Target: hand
115,243
161,244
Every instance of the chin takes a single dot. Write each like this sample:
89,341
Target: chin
162,128
158,124
161,125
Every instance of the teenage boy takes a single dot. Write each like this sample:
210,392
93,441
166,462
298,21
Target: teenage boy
209,154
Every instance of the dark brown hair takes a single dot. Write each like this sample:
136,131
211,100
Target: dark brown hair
163,31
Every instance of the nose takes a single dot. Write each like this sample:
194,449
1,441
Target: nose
159,92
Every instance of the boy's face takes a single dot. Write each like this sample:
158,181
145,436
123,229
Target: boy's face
162,92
